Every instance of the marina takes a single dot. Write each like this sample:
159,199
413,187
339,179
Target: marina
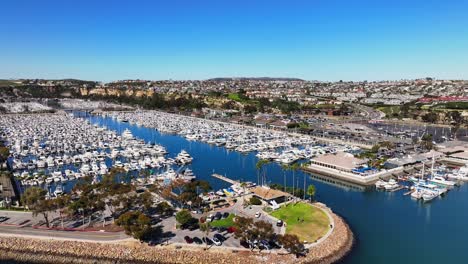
240,166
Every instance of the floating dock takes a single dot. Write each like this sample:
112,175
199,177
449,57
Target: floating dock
224,178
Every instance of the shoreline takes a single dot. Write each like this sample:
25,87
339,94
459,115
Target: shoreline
41,250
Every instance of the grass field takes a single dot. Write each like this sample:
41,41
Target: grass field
315,225
390,110
226,222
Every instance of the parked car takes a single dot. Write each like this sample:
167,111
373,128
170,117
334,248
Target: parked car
220,237
216,241
188,240
210,218
197,240
279,223
244,244
231,229
218,216
225,215
257,214
207,241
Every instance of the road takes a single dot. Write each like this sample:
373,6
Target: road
62,235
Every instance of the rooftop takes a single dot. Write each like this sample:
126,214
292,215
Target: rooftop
267,193
340,159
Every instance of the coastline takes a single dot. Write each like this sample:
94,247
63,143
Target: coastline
40,250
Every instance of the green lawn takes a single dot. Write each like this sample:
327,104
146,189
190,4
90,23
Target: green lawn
390,110
226,222
235,97
315,225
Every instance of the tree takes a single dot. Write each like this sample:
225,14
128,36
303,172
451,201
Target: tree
260,168
35,199
164,208
292,244
4,154
205,228
430,117
60,204
183,216
135,224
262,230
242,226
426,142
146,198
311,191
255,201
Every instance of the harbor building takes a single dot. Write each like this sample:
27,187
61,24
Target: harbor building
339,161
269,195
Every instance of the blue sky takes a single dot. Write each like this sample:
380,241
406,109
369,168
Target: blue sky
174,39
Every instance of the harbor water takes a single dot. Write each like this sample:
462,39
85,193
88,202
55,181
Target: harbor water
389,227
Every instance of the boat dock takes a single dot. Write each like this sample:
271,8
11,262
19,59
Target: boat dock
226,179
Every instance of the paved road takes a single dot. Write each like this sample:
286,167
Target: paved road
62,235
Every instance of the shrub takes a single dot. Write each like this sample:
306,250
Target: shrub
255,201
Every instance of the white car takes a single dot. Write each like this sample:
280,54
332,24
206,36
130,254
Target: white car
216,241
210,218
257,214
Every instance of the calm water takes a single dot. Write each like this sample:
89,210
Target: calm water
389,227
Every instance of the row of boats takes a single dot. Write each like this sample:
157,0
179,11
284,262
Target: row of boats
58,148
428,187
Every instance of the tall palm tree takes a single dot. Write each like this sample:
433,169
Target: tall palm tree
285,167
260,168
294,167
205,228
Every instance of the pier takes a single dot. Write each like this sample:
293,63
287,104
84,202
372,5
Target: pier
226,179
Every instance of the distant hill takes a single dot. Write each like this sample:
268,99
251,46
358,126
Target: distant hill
255,79
8,83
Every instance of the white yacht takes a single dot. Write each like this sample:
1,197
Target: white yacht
58,190
183,157
391,185
429,195
442,181
380,184
127,134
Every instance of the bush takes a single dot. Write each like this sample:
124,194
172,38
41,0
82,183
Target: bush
255,201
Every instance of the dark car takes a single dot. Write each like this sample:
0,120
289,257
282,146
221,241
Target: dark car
191,225
279,223
3,219
218,216
226,215
220,237
197,240
155,220
222,229
244,244
188,240
207,241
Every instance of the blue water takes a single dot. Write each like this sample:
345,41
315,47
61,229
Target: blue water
389,227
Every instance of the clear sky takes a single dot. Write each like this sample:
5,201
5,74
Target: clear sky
197,39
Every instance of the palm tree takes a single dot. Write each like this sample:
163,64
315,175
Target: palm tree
205,228
285,167
243,185
260,164
311,191
294,168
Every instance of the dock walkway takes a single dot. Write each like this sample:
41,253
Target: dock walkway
226,179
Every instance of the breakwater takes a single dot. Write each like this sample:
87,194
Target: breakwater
32,250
